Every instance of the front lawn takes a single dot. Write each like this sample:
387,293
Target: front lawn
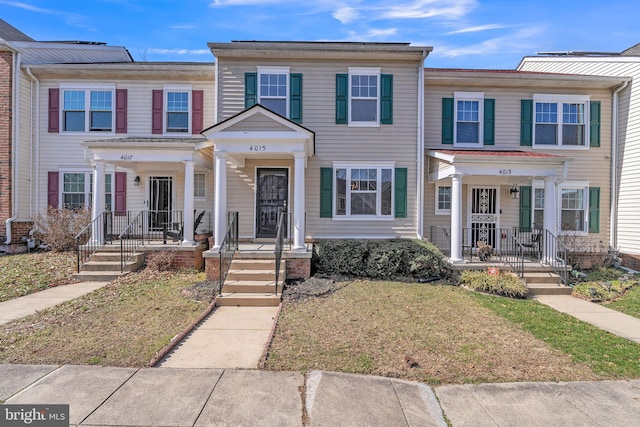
442,335
122,324
628,304
23,274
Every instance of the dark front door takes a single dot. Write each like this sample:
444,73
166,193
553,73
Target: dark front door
273,189
160,202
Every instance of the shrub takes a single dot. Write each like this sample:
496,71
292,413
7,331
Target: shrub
601,285
57,228
504,284
378,259
159,261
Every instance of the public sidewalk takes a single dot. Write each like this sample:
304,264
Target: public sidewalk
598,315
32,303
102,396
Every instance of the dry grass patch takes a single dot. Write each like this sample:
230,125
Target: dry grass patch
122,324
382,328
23,274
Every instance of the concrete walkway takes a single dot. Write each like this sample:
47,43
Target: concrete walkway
598,315
31,304
101,396
229,337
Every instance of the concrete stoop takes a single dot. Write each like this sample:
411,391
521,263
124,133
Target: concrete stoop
104,265
251,283
545,283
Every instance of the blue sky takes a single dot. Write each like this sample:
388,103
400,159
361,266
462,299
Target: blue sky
463,33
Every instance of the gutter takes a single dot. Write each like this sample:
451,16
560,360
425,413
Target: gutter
613,215
420,138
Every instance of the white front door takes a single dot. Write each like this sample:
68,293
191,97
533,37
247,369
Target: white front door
484,216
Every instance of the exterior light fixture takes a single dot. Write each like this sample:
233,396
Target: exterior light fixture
136,181
514,192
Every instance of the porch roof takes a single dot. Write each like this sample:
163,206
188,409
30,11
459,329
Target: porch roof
498,163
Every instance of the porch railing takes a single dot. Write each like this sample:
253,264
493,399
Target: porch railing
228,247
102,230
554,254
512,251
279,244
131,238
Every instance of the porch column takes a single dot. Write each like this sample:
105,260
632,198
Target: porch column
549,217
220,203
187,215
299,202
97,208
456,218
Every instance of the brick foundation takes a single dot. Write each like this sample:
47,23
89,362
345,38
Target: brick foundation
631,261
212,268
298,268
6,117
184,257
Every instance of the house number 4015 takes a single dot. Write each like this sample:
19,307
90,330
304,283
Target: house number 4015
504,171
257,148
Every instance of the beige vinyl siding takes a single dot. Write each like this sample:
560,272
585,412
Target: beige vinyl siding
342,143
258,122
628,235
591,165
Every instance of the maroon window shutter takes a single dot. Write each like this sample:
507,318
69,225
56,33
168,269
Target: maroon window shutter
52,189
121,110
156,120
197,113
54,110
121,194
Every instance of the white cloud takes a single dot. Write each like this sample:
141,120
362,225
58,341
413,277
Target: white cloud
477,29
179,51
345,14
182,27
450,9
74,19
372,34
520,41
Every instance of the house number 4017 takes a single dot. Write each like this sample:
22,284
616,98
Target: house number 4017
504,171
257,148
126,157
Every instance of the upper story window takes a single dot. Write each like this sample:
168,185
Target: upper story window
85,110
468,117
273,89
177,111
560,121
364,95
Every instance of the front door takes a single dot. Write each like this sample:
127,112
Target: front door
160,202
484,216
272,194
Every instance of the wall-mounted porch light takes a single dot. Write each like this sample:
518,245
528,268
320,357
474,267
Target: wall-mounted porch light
514,191
136,181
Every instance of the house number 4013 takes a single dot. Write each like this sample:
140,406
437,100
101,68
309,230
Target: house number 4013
504,171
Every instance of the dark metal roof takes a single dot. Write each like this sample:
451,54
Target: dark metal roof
10,33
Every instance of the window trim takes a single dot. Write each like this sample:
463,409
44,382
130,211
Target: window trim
364,71
577,185
87,89
469,96
560,100
165,100
438,210
88,190
261,69
354,165
204,197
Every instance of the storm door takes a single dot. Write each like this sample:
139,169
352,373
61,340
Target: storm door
160,202
484,214
272,194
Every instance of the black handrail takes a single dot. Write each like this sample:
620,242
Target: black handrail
131,238
512,252
228,247
85,245
554,254
279,245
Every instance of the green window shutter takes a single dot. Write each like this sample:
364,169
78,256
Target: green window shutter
447,120
386,99
525,207
489,121
594,124
526,122
295,97
326,192
250,89
401,193
594,209
342,98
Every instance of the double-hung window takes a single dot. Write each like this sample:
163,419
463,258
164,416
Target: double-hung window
77,190
443,199
364,191
200,185
468,129
364,95
560,121
273,89
574,213
177,110
87,110
538,208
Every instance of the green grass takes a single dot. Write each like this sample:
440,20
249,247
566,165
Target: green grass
23,274
606,354
629,303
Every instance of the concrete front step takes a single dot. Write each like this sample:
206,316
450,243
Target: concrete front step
98,276
252,275
248,299
245,286
548,289
542,277
254,264
114,256
106,266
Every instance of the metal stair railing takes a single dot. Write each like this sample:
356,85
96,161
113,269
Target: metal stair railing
279,244
131,238
228,247
554,254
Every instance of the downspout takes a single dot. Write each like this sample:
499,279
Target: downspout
15,116
420,138
613,220
35,140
